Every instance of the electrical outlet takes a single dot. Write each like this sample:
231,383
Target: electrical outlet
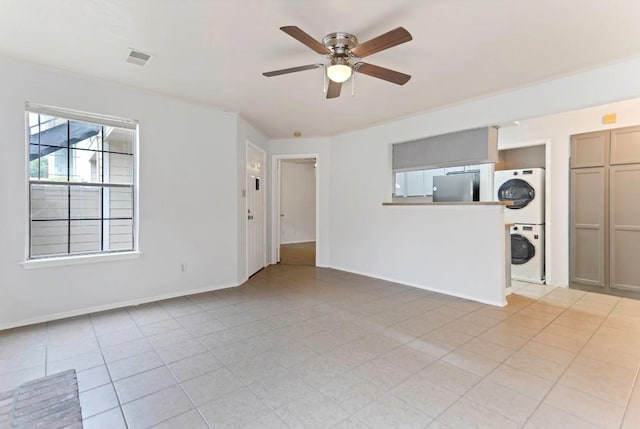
183,267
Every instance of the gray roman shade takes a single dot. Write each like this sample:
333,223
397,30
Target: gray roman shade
476,146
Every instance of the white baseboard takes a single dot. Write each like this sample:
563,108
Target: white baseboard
526,280
297,241
564,285
133,302
541,282
444,292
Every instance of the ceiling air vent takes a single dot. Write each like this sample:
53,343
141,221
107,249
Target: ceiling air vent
138,57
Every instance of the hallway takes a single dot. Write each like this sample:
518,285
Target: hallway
298,254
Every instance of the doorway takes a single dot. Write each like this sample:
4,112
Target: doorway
295,210
256,203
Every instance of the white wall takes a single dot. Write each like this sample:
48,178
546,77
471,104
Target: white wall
318,148
297,202
557,129
361,168
455,250
188,199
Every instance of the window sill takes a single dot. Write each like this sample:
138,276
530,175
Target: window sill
77,260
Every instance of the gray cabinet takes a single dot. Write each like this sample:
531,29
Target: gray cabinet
624,227
589,149
625,146
605,210
588,227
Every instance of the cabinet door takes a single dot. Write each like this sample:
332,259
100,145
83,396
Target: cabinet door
588,217
624,227
589,149
625,146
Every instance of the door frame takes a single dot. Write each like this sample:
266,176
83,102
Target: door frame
547,198
276,206
246,205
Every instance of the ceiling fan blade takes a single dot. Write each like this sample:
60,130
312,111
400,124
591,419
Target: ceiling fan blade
304,38
333,90
292,70
382,73
384,41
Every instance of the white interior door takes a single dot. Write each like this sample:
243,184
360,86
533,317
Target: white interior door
256,243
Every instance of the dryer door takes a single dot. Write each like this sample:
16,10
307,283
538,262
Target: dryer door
518,191
522,250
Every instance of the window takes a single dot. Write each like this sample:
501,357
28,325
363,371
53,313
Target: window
81,183
419,183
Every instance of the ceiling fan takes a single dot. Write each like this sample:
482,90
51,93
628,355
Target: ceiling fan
344,52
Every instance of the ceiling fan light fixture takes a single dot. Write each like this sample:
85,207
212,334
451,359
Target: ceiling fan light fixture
339,72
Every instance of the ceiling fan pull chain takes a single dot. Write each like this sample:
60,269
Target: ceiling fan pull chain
353,85
324,80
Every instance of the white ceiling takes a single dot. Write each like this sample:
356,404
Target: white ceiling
214,51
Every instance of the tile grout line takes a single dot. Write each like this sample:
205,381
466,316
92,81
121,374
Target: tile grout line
633,386
437,359
207,350
113,386
171,317
168,369
520,349
480,378
195,407
247,386
226,365
502,362
629,396
313,388
569,365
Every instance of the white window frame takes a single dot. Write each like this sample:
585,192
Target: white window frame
89,257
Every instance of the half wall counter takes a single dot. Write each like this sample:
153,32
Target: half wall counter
455,248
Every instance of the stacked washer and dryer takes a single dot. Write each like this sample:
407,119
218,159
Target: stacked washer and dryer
525,190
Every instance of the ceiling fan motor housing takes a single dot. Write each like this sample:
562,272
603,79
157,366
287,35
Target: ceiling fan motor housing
340,44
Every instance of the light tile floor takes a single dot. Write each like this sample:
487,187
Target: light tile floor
531,290
300,347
